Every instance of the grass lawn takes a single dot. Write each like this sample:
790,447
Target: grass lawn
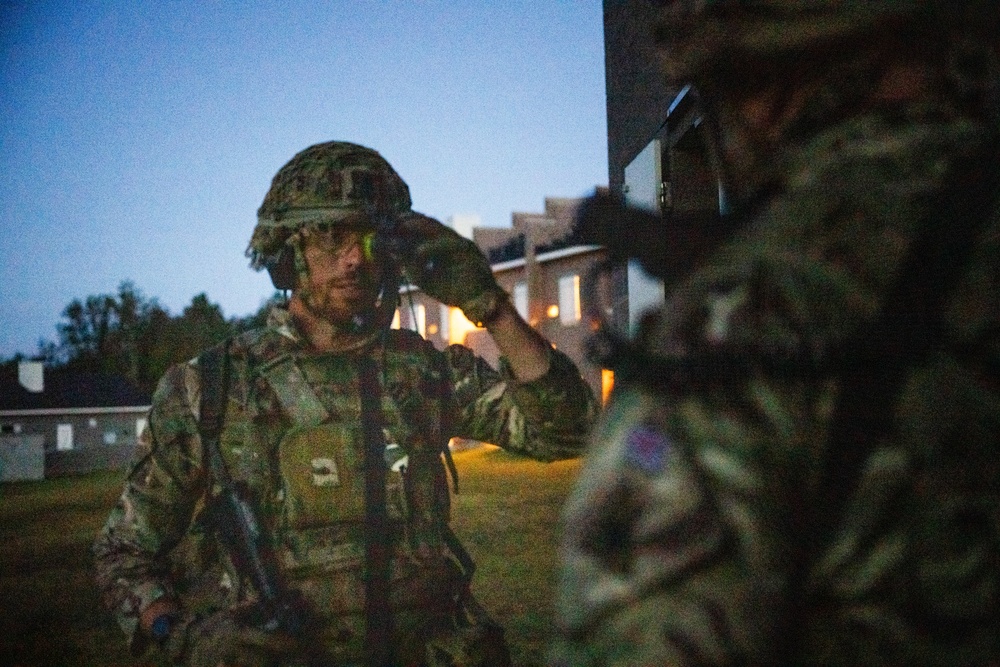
507,514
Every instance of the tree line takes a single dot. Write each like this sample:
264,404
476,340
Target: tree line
134,337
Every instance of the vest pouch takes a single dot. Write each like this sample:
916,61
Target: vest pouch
323,474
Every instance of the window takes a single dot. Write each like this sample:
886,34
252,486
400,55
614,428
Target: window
419,313
413,316
110,437
607,384
64,437
458,326
521,299
140,426
644,188
444,315
569,299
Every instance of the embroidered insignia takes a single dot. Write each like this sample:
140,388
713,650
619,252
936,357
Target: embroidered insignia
324,472
646,448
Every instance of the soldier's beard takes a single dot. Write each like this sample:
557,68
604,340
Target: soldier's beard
347,305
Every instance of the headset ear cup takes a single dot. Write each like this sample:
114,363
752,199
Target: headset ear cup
282,269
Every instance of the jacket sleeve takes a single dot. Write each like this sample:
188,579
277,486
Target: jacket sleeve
162,488
672,538
546,419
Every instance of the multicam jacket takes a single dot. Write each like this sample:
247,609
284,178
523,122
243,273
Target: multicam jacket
682,538
292,433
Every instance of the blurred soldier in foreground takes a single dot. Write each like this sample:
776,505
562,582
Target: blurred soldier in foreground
288,504
799,463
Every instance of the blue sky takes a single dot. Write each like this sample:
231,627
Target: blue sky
137,139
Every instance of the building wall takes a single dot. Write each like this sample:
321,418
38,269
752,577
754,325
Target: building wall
638,99
81,461
22,458
658,146
100,439
568,337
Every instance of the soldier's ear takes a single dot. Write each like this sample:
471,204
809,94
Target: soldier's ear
282,269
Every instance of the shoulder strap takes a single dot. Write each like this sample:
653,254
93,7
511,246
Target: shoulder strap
296,395
447,424
910,329
213,365
378,618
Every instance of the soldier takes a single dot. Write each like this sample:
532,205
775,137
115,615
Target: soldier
798,464
288,503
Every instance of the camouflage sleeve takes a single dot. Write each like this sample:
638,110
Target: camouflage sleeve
546,419
674,535
161,489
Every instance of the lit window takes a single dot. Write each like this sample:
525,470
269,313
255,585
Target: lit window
64,437
607,384
569,299
415,316
521,299
92,423
140,426
458,326
110,437
419,313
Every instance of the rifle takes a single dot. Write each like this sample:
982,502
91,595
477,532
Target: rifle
667,247
232,513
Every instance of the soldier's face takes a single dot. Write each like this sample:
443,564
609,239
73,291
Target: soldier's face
343,276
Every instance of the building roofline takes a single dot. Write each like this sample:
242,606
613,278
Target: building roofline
547,256
48,412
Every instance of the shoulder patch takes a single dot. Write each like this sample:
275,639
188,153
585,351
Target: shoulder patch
647,448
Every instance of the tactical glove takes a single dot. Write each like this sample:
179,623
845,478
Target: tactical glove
448,267
223,639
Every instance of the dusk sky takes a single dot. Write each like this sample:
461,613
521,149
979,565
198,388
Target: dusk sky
138,138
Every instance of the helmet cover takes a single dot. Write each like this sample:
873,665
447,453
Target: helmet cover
326,184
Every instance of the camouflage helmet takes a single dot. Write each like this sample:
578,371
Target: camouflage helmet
699,36
326,184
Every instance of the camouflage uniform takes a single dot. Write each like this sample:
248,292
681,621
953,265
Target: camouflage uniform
287,409
298,439
695,534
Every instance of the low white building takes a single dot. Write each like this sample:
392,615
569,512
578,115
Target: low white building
81,421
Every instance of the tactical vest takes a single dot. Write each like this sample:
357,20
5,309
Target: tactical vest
293,434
